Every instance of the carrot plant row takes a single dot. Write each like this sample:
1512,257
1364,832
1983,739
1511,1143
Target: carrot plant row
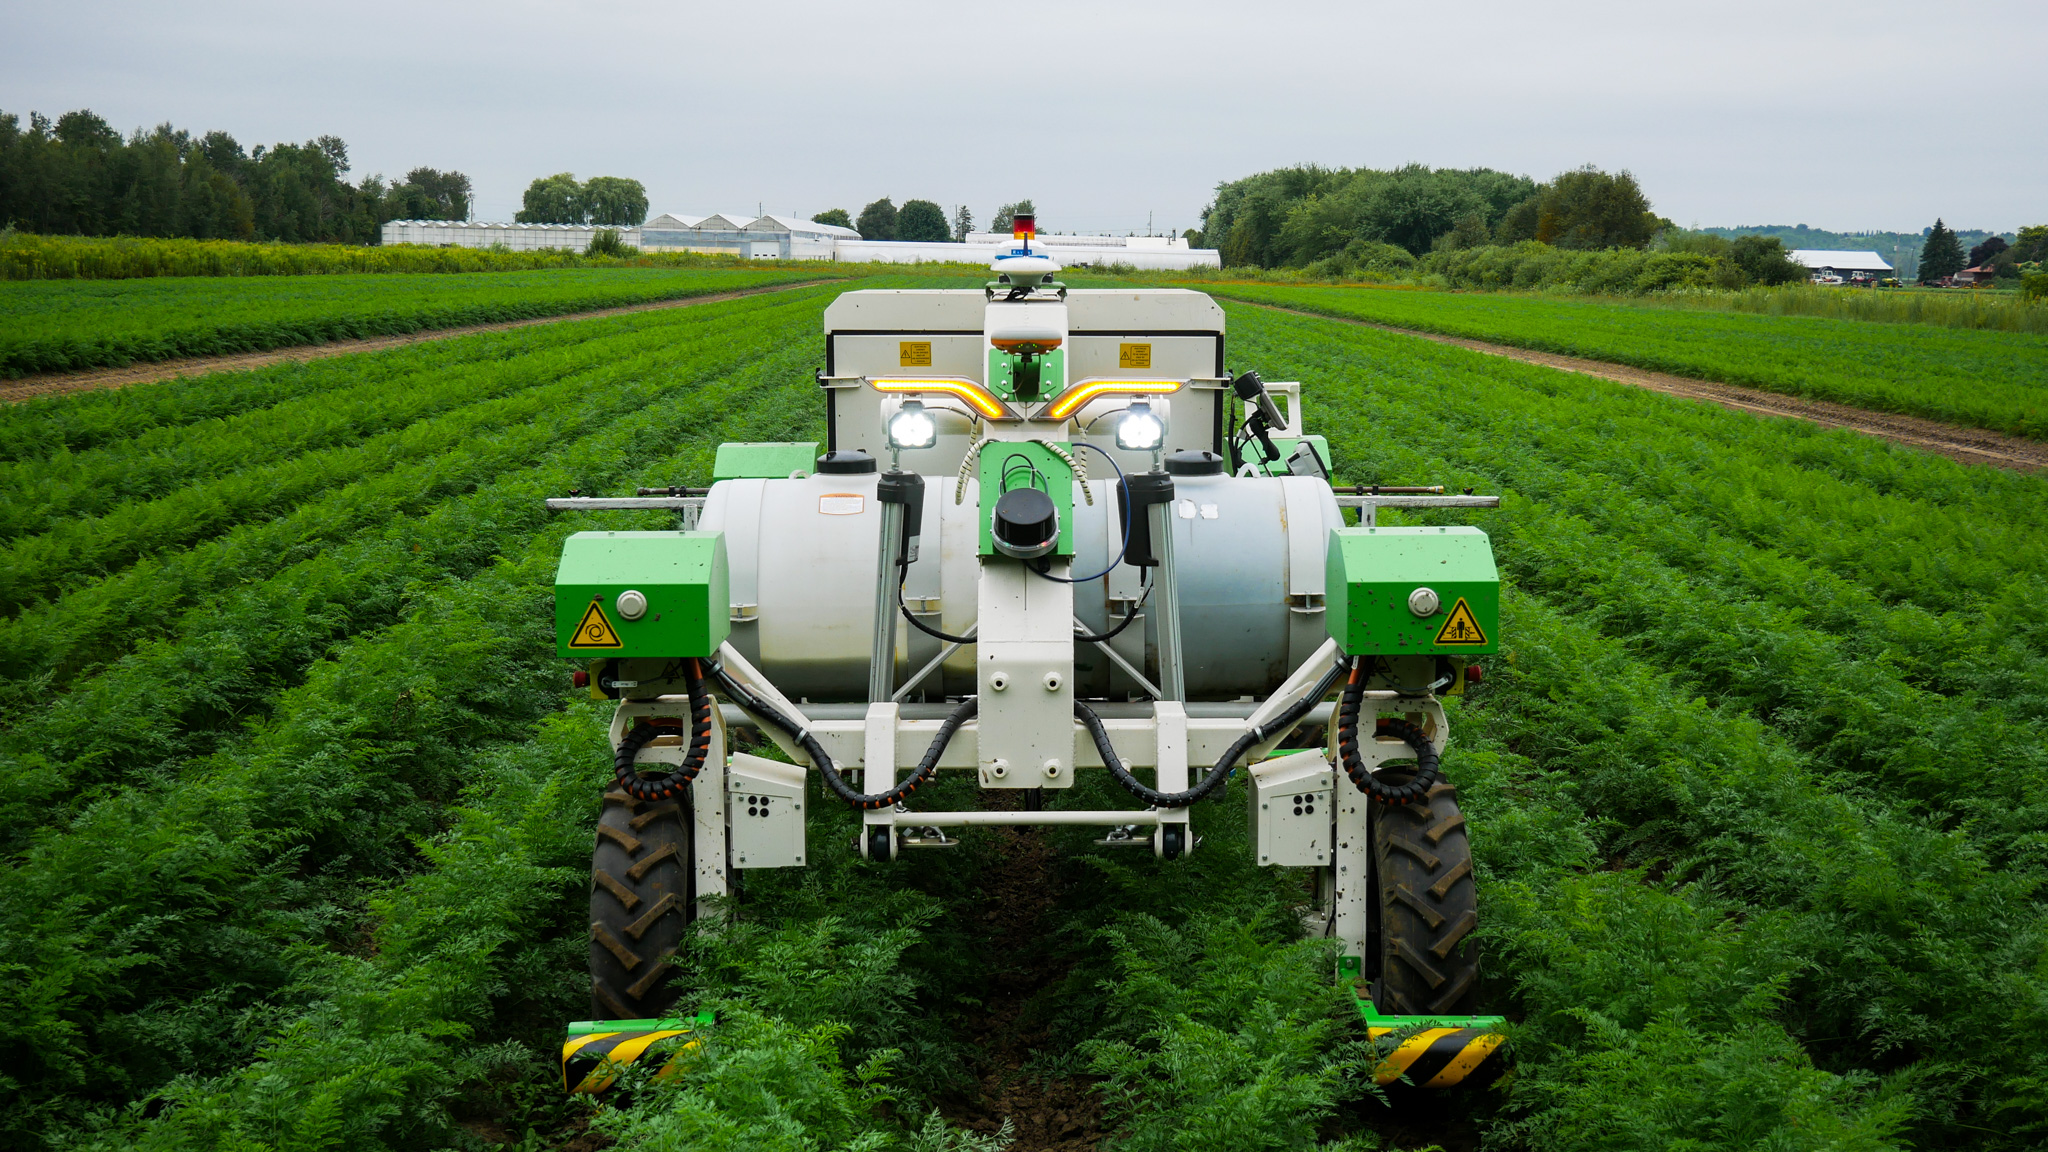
54,326
1716,828
1984,379
318,780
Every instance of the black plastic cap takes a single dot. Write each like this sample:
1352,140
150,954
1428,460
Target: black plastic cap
1194,462
898,487
852,462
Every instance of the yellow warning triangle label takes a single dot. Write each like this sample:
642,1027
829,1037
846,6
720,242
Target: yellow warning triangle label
594,631
1460,627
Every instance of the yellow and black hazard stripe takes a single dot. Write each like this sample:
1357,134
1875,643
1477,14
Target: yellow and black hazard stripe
1436,1057
591,1062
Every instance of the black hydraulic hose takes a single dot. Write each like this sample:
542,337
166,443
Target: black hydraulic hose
669,783
920,625
1245,743
1427,772
926,768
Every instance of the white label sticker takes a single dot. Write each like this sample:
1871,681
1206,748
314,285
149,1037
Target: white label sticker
841,504
1185,509
1209,512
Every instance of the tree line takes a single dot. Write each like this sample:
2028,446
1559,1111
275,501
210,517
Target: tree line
1942,255
611,201
1293,217
919,220
79,176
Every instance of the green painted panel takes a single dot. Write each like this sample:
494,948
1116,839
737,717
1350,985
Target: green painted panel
1285,444
682,575
764,461
1372,572
1000,457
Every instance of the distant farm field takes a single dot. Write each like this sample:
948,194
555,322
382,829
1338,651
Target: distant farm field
297,804
1983,379
58,325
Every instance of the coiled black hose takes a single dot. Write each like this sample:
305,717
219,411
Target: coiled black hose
666,785
926,768
1427,772
1224,763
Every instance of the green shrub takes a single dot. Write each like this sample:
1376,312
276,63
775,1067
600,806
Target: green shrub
606,242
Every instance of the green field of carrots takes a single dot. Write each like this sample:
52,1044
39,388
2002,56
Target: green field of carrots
62,325
1974,377
297,803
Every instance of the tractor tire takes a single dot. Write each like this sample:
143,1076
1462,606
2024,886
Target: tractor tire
643,895
1422,867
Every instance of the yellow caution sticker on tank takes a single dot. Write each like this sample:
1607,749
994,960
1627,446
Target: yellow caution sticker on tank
1134,356
594,631
914,354
1461,627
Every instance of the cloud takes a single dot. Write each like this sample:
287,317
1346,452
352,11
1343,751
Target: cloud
1877,115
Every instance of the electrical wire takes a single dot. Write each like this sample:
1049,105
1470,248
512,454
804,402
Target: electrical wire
1046,570
1113,633
904,567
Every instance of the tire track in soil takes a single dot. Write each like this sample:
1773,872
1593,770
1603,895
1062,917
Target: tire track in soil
1968,445
150,372
1053,1114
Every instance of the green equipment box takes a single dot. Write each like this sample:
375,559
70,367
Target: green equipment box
1413,592
766,461
642,594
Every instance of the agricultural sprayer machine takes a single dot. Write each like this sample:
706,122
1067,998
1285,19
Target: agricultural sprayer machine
1048,534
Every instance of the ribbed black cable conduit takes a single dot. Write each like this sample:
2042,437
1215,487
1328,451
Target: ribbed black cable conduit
926,768
666,785
1427,772
1224,763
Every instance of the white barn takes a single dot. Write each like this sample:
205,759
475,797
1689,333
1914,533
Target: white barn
1822,263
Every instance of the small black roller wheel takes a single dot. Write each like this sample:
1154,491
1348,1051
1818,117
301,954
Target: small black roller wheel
1173,841
881,843
643,895
1422,864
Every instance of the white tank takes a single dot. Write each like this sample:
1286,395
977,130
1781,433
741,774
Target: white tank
803,553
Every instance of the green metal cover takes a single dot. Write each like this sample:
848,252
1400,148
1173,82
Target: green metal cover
1285,446
1002,369
764,461
1372,571
682,575
996,455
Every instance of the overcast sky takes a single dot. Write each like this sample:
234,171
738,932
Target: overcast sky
1848,116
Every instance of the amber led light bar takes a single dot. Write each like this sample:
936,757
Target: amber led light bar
983,401
1070,401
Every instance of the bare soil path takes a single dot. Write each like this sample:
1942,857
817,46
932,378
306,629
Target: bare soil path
1048,1114
56,383
1969,445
